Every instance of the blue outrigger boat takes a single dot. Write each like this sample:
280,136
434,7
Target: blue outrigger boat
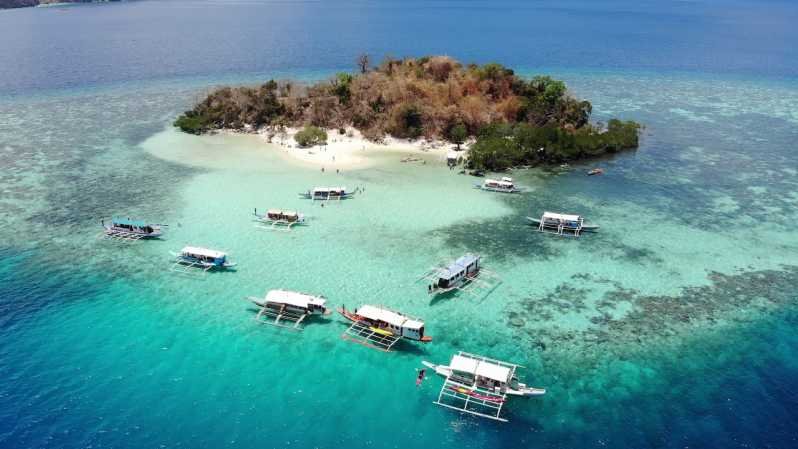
127,229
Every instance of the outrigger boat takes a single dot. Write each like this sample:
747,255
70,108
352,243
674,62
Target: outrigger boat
277,218
595,171
381,328
479,385
285,306
130,230
195,257
464,274
327,194
505,185
562,224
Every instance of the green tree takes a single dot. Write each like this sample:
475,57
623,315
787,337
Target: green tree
458,135
310,136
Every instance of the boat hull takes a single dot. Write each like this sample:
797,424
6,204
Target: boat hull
585,227
492,189
141,235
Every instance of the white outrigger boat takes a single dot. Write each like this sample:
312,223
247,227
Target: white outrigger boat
285,306
195,257
504,185
479,385
280,219
464,274
380,328
130,230
327,194
562,224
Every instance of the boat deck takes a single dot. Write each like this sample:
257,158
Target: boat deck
184,267
278,318
476,401
366,335
121,236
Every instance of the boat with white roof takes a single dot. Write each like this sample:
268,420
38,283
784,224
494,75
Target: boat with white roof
327,194
286,308
280,219
197,257
479,385
562,224
504,185
380,327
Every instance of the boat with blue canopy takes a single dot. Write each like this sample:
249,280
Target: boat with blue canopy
127,229
464,274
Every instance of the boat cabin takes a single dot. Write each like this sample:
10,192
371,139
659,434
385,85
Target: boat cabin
393,322
561,223
327,193
499,185
455,274
204,256
480,372
282,215
294,302
127,229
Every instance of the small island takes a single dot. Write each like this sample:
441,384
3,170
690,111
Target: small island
509,121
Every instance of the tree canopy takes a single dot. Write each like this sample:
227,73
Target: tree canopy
434,97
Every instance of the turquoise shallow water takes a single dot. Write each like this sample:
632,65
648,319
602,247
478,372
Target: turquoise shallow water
672,327
661,330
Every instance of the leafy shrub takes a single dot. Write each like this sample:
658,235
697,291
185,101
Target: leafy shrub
310,136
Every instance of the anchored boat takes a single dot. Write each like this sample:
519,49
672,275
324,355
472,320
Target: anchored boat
280,219
195,257
127,229
505,185
562,224
464,274
479,385
381,328
285,306
327,194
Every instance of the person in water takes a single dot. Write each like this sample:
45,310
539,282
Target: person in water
420,377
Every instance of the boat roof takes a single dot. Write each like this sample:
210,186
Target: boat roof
388,316
293,298
480,368
458,266
329,189
452,155
565,217
501,183
129,222
197,251
507,179
281,212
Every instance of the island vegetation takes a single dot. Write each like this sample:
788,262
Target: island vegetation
514,121
7,4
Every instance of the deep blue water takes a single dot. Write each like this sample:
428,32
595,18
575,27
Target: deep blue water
96,354
95,44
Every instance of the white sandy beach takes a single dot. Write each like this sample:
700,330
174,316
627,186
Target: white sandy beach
351,150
